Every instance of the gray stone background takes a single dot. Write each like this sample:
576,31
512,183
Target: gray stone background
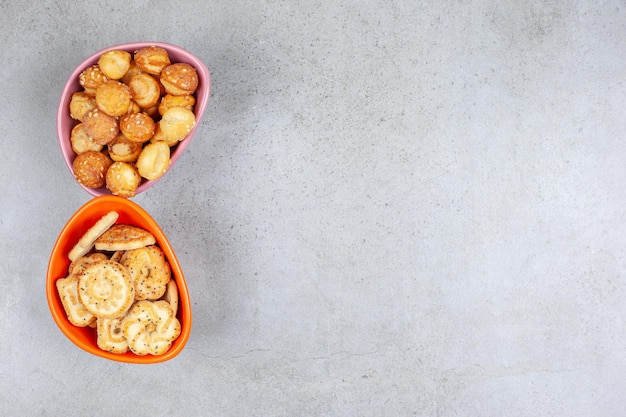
391,208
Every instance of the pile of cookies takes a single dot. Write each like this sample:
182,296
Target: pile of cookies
132,109
119,283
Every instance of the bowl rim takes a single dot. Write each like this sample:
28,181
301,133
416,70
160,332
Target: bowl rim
202,98
91,210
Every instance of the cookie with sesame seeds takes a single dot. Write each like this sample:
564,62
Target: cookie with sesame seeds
149,270
106,289
179,79
91,78
100,127
124,237
122,179
90,168
145,90
113,98
150,327
152,59
137,127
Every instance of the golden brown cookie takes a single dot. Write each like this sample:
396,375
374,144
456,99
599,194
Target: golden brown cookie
145,90
179,79
150,327
91,78
167,101
111,336
90,168
124,237
115,63
100,127
152,59
122,179
106,289
138,127
171,295
154,160
78,266
113,98
176,123
150,271
76,312
81,142
87,240
124,150
81,103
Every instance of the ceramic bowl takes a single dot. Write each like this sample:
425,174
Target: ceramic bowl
77,225
65,123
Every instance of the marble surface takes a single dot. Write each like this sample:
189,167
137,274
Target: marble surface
391,208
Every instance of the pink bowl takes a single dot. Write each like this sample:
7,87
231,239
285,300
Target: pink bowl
65,123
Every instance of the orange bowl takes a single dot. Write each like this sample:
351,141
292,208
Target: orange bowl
77,225
65,123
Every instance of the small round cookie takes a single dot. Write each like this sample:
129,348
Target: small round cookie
179,79
150,327
123,149
122,179
91,78
132,71
154,160
113,98
152,59
81,103
138,127
106,289
159,135
100,127
168,101
145,90
111,336
76,312
176,123
149,270
114,64
77,266
90,168
81,142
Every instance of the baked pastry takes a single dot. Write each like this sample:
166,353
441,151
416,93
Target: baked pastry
150,327
124,237
91,78
87,240
122,179
90,168
171,295
154,160
176,123
113,98
149,270
132,71
81,103
100,127
179,79
167,101
115,63
152,59
75,311
137,127
81,142
106,289
123,149
78,266
110,335
145,90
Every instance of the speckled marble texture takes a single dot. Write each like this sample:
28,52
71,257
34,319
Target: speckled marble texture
391,208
